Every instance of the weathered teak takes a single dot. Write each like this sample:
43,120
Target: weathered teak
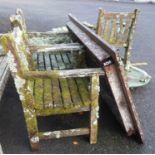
55,86
117,28
102,52
105,55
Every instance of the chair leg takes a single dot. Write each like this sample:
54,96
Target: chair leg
32,128
93,125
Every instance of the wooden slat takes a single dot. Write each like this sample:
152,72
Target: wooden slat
112,39
41,65
48,98
107,29
38,93
80,85
66,96
85,96
89,42
72,85
53,61
60,61
66,61
39,83
47,61
57,98
127,25
63,133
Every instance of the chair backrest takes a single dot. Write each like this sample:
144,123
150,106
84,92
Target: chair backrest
19,21
117,28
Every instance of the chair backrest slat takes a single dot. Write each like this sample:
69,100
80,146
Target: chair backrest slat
117,28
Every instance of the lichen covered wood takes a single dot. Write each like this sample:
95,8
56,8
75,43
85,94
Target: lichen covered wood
51,88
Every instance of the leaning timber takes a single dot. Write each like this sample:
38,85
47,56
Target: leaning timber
114,72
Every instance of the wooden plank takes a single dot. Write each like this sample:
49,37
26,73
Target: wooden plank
38,93
60,61
53,62
120,100
75,26
79,84
112,39
83,91
75,96
63,133
47,61
66,61
66,96
107,29
48,89
88,42
121,92
57,98
40,61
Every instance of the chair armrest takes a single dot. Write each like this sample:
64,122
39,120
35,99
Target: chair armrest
63,73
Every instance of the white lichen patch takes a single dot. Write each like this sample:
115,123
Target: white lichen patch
11,62
97,113
60,30
23,59
97,88
35,139
57,134
95,123
47,133
19,83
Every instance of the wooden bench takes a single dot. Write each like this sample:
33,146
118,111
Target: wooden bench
66,39
58,81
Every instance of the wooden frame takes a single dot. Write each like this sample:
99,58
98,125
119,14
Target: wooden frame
19,57
118,28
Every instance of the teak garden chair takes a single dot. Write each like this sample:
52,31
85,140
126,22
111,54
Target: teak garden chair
117,28
51,91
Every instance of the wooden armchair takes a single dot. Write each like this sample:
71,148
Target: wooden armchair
51,91
117,28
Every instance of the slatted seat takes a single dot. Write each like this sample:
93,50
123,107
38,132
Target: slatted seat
59,94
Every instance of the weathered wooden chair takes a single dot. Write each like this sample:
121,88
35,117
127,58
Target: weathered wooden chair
50,91
117,28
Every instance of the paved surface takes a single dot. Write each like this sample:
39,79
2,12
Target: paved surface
42,16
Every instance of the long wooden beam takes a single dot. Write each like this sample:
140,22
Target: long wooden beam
106,56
